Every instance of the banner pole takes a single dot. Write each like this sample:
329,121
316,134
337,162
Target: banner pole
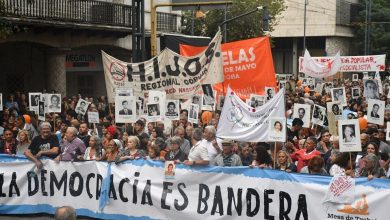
350,160
274,155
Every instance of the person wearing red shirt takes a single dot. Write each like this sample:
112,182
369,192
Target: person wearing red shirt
304,155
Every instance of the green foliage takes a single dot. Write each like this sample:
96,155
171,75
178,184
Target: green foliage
243,28
380,30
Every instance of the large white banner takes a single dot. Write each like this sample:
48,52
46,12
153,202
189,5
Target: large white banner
316,69
369,63
179,76
242,122
139,190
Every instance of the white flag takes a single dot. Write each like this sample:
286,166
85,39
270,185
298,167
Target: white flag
241,122
319,69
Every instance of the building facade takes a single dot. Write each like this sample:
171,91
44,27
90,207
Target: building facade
328,30
58,47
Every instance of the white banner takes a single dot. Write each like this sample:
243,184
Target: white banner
179,76
242,122
369,63
316,69
140,190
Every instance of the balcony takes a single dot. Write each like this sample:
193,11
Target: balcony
82,14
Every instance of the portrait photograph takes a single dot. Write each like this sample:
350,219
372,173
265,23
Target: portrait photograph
338,95
371,89
282,84
172,109
154,112
302,111
169,169
208,95
269,92
197,100
54,102
318,116
82,106
327,87
349,135
256,100
355,77
157,97
41,111
355,93
375,111
336,108
125,109
193,113
34,99
277,129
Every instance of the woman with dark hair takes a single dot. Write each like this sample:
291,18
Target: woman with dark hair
371,168
278,127
315,166
372,148
342,165
349,133
157,132
112,150
263,159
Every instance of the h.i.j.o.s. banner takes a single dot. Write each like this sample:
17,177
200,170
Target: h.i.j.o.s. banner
139,190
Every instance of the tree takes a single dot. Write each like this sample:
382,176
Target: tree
243,28
380,27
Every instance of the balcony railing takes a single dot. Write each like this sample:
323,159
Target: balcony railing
80,12
75,11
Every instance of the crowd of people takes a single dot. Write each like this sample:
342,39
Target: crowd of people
67,136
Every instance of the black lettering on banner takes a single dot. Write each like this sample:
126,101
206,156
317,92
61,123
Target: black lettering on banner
302,207
175,72
43,179
121,183
32,174
1,185
249,211
80,181
58,184
283,212
187,65
267,201
201,199
209,53
183,194
135,183
91,175
217,202
231,200
112,188
131,72
146,194
99,181
165,192
13,185
156,68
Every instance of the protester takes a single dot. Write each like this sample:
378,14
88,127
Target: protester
23,143
227,158
198,153
65,213
245,153
22,125
210,142
73,148
371,167
131,151
112,150
83,133
175,153
284,162
342,165
262,159
315,166
9,143
45,144
95,150
303,156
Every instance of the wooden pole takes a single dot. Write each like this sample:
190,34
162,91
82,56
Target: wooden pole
274,155
350,160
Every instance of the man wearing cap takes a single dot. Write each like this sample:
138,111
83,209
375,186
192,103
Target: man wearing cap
227,158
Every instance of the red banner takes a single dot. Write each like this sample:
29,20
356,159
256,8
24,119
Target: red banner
248,66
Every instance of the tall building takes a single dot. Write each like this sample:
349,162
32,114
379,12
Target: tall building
328,30
59,43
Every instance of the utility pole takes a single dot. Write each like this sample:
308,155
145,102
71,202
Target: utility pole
369,27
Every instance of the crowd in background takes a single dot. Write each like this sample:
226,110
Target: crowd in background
68,136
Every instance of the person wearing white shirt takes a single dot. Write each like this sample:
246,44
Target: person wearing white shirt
210,141
198,154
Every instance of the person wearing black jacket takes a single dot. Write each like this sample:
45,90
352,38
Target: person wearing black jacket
175,153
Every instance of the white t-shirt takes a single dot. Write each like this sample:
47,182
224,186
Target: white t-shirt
198,152
212,152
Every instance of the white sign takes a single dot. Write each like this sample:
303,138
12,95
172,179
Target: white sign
172,111
349,134
341,190
179,76
82,106
41,111
193,113
375,111
318,116
34,99
125,109
302,111
338,95
93,117
53,102
240,122
277,129
370,63
316,69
